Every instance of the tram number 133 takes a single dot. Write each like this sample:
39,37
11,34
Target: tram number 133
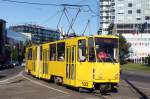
84,83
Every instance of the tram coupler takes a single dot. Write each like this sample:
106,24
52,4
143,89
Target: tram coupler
105,87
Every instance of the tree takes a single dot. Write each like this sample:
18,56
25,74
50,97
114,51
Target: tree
124,49
15,53
147,60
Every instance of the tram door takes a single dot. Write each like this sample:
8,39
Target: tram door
34,60
71,65
38,62
45,63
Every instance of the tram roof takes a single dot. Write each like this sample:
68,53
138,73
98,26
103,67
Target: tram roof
79,37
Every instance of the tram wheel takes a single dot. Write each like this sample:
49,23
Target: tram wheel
58,80
28,73
114,88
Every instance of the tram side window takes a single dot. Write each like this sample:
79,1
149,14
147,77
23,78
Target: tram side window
61,51
82,50
30,54
91,50
40,52
53,52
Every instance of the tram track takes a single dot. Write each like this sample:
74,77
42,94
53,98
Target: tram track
136,89
68,93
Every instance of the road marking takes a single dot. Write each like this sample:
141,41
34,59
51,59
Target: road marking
13,77
44,85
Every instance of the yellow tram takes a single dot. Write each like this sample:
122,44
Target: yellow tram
89,62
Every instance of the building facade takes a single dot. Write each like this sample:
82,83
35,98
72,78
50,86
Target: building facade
2,38
140,47
107,15
37,34
129,16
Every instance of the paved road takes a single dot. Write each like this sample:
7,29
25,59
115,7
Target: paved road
17,85
139,80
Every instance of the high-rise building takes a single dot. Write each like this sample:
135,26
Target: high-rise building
128,16
131,14
107,15
2,38
37,34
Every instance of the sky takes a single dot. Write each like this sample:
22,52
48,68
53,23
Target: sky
48,16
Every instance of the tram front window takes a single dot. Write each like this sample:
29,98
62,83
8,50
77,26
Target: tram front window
106,49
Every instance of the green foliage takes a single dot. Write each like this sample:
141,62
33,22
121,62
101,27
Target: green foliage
27,43
15,54
124,49
135,67
147,60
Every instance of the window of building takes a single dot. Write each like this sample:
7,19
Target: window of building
147,17
138,11
138,18
120,13
82,50
129,4
52,52
61,51
129,11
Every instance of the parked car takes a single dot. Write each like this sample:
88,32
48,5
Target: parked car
15,63
23,63
1,66
8,64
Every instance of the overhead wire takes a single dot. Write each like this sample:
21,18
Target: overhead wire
52,4
86,27
70,22
60,18
51,17
44,4
82,7
73,20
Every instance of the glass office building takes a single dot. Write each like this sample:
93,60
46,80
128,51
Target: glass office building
37,34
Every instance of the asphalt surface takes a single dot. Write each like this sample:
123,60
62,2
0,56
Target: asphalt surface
136,76
16,84
139,80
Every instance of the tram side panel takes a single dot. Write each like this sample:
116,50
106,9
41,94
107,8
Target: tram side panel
56,67
29,60
34,60
38,62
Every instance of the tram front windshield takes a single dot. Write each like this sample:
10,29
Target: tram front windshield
106,49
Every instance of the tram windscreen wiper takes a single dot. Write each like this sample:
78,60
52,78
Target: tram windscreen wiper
111,58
